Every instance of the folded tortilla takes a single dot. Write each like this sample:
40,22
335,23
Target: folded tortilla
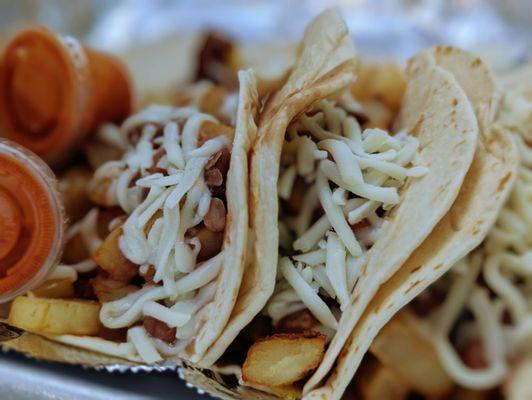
325,65
483,193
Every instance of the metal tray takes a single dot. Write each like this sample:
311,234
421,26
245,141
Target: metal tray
24,379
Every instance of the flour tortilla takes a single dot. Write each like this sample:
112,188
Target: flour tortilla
235,240
100,351
436,110
325,65
485,189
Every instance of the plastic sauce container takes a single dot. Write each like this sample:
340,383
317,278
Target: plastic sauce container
53,92
31,220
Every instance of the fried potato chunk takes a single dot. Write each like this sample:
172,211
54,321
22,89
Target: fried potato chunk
382,82
379,382
55,316
110,258
210,130
401,346
283,358
55,289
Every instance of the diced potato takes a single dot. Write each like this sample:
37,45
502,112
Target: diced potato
383,82
76,249
209,130
283,359
55,316
107,289
110,258
379,382
401,346
55,289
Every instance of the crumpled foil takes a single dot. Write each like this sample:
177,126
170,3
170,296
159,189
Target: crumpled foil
501,31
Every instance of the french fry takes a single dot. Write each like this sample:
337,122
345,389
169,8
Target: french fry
211,130
283,359
401,346
55,289
55,316
379,382
110,258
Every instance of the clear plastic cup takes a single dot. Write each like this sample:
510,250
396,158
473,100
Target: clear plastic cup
31,220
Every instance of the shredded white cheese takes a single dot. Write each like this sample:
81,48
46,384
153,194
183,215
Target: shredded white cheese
162,207
349,175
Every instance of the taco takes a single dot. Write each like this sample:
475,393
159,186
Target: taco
483,193
163,281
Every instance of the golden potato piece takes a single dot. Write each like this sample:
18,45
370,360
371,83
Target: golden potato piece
209,130
55,316
110,258
55,289
401,346
283,359
107,289
382,82
379,382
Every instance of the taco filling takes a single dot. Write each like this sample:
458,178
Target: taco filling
337,185
165,219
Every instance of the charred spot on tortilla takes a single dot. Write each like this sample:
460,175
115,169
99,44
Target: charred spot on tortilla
415,130
503,182
416,269
417,282
476,63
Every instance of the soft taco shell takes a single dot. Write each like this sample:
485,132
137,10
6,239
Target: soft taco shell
88,352
235,240
485,189
436,110
325,65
